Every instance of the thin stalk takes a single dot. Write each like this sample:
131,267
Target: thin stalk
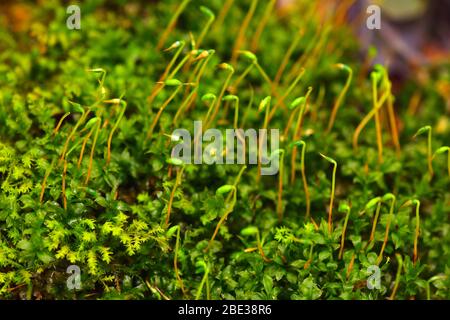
183,62
236,108
305,184
288,91
310,258
262,24
247,110
221,221
222,92
241,34
171,25
375,201
427,129
300,115
161,109
211,18
393,124
443,150
101,83
304,181
374,224
280,188
266,115
333,183
183,106
263,106
44,182
341,96
160,84
172,194
222,14
429,154
175,262
300,62
91,158
72,133
286,58
208,289
264,75
116,124
236,181
377,118
55,131
350,265
288,125
203,67
397,277
260,248
179,45
228,210
318,103
369,116
236,115
341,251
198,67
243,75
155,289
205,119
417,232
83,147
388,224
434,278
297,132
252,57
63,188
318,50
202,283
194,77
210,108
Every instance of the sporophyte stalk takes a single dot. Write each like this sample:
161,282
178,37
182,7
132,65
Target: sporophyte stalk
427,129
333,184
302,170
178,163
342,94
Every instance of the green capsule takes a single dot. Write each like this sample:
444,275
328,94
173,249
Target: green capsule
175,161
297,102
373,202
173,83
249,231
264,103
92,122
224,189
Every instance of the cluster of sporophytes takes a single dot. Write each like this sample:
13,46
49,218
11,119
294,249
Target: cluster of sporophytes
87,177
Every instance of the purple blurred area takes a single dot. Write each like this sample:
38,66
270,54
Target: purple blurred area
414,34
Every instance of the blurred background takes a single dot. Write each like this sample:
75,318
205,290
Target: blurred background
413,34
413,41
